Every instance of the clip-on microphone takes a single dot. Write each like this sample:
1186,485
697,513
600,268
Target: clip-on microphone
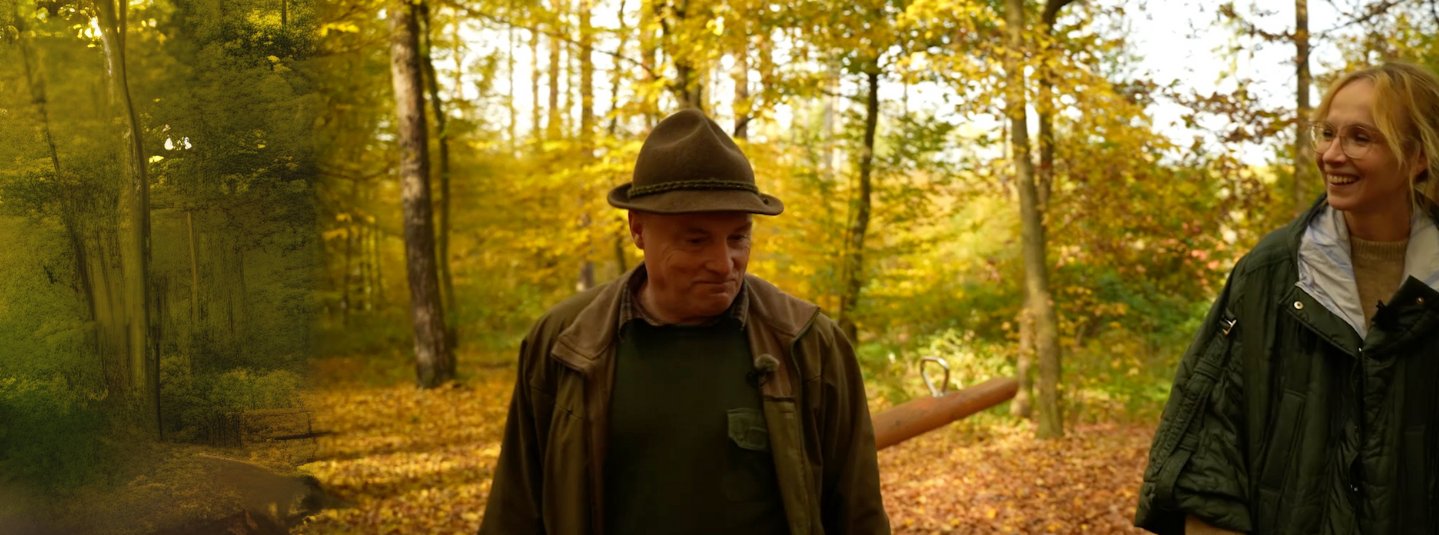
764,366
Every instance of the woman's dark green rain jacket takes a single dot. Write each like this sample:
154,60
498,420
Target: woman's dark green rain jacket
1288,415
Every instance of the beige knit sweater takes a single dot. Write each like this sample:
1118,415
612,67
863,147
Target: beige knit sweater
1378,271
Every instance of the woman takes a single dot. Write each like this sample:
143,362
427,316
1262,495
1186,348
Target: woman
1309,401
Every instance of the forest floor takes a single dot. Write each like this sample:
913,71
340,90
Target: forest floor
417,461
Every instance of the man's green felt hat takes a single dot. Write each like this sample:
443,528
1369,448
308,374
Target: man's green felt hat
689,164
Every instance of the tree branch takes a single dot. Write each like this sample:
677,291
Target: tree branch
1371,13
552,34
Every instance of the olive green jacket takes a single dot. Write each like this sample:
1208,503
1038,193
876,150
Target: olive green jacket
1287,415
548,478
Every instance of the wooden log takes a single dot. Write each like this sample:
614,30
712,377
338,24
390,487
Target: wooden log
922,415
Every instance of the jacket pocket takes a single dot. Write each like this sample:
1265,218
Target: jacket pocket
749,472
1276,462
747,429
1278,456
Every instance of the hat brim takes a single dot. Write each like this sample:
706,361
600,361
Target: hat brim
687,201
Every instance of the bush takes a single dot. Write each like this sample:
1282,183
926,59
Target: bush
50,434
191,403
242,389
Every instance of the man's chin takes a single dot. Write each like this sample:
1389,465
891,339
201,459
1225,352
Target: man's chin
712,303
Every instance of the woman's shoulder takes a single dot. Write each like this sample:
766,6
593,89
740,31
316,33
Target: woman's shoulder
1276,248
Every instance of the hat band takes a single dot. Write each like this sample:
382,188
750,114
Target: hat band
704,183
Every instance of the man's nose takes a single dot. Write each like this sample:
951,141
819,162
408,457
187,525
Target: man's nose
717,259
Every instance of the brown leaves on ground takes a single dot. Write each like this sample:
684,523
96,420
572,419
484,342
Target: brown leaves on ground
412,461
415,461
944,482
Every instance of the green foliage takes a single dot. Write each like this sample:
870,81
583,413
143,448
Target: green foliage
51,434
192,403
243,389
226,99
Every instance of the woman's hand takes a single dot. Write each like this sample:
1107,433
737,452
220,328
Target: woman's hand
1195,526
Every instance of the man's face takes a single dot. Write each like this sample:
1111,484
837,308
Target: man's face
695,261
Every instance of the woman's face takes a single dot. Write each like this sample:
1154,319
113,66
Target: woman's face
1373,184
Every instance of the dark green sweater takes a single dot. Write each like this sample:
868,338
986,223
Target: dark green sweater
688,450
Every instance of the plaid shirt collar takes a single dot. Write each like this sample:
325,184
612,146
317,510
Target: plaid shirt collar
631,309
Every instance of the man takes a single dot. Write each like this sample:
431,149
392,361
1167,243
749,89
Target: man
687,397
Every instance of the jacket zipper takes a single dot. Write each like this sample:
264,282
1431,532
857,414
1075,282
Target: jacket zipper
1355,468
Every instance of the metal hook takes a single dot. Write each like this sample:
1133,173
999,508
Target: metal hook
925,375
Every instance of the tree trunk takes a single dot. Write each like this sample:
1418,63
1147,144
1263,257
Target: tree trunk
1303,149
587,72
552,125
241,289
1046,140
649,45
432,84
1036,278
1023,403
510,77
36,84
620,242
860,207
618,74
362,303
587,130
434,363
346,303
741,92
831,110
134,221
110,317
375,241
194,290
535,129
71,217
687,86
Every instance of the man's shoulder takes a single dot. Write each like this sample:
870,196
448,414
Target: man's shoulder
563,314
780,310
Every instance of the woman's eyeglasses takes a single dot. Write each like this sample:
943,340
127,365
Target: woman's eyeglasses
1354,141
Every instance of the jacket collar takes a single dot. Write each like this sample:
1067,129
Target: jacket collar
592,334
1326,271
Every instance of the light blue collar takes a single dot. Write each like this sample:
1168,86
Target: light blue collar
1326,271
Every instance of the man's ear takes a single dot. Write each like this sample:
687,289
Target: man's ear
637,227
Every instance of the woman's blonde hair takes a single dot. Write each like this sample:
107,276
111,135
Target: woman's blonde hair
1406,110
